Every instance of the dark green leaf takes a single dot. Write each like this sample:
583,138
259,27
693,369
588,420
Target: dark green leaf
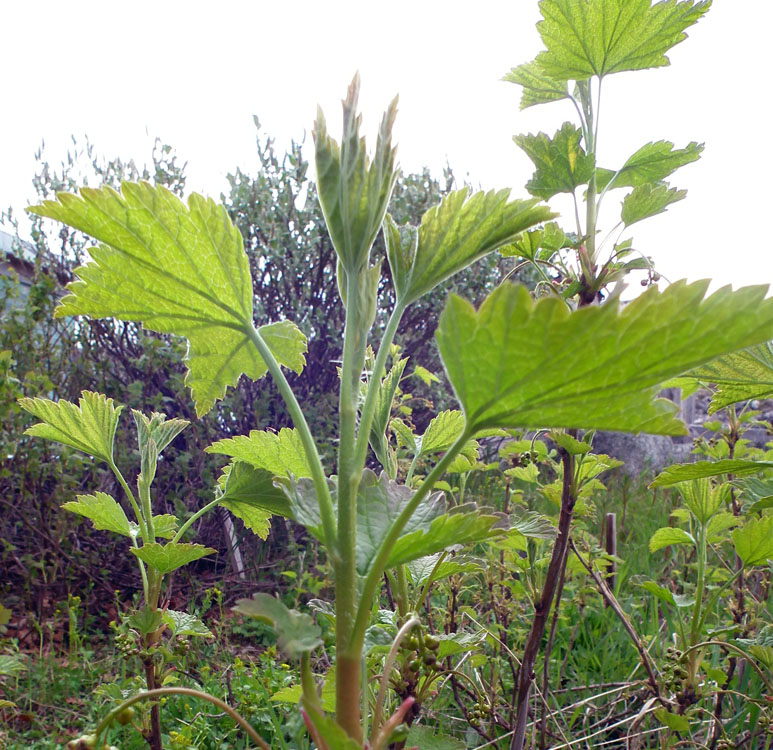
561,162
296,632
424,738
508,362
675,722
585,38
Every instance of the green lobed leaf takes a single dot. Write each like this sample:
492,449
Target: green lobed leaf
353,191
168,557
452,644
442,432
718,524
251,495
183,623
165,525
753,542
658,591
675,722
459,231
292,694
648,200
685,472
508,361
12,664
740,376
296,632
585,38
378,439
421,569
667,536
652,163
532,525
425,738
281,453
561,162
432,527
701,498
538,87
176,269
103,511
89,427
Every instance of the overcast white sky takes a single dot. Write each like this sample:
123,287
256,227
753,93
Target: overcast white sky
194,73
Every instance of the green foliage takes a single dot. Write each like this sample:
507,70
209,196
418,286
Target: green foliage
617,357
188,275
585,38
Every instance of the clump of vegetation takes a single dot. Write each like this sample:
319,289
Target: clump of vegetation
443,569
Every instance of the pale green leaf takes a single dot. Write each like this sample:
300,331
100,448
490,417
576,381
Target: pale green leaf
387,389
425,375
701,498
684,472
442,432
165,558
648,200
165,525
183,623
452,644
420,570
353,191
740,376
753,542
530,524
12,664
424,738
293,693
157,428
719,523
281,453
675,722
176,269
561,162
89,427
103,511
459,231
658,591
571,445
667,536
538,87
585,38
508,362
652,163
296,632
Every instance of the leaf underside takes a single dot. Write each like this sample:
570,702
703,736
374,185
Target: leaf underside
585,38
684,472
176,269
89,427
520,363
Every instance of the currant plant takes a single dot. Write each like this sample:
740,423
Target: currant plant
515,362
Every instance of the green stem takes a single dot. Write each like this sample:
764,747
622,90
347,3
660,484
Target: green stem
135,507
349,475
371,397
143,573
200,512
309,446
310,697
740,652
373,578
104,725
695,625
